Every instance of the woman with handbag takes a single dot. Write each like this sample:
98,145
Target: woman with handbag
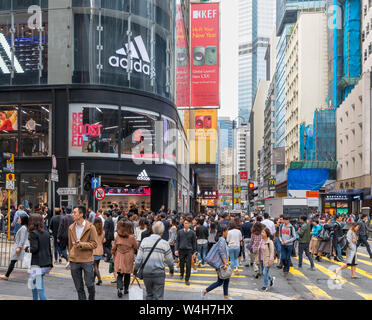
123,250
224,272
98,252
21,240
351,251
41,262
254,245
265,258
325,246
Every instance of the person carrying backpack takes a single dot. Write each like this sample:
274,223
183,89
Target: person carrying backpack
218,258
287,236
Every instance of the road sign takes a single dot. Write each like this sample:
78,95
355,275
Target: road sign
237,189
10,177
67,191
54,175
10,185
237,201
54,162
95,183
99,194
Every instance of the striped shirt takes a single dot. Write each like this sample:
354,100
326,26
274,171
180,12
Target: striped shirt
155,265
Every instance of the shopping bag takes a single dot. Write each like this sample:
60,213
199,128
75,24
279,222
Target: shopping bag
135,291
26,262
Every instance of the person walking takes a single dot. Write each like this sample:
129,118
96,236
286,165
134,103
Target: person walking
325,236
219,254
152,265
82,240
303,242
314,242
338,233
351,251
246,233
212,234
20,212
21,240
123,250
173,235
265,258
109,228
202,241
186,250
41,261
268,223
54,226
234,239
287,235
254,245
91,215
363,233
98,252
62,235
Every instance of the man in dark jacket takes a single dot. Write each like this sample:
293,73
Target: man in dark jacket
54,226
109,228
303,242
166,226
337,234
363,233
246,233
62,234
186,249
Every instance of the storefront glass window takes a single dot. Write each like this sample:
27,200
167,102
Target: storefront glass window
138,136
94,130
170,141
33,191
35,138
9,129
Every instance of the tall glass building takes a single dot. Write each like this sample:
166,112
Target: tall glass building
256,23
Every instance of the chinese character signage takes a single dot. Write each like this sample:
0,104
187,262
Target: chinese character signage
210,194
204,37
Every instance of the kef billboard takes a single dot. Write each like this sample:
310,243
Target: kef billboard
205,52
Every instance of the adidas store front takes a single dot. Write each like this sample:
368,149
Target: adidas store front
92,82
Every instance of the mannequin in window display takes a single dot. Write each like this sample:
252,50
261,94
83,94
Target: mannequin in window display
5,123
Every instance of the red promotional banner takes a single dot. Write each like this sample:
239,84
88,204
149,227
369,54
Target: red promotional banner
182,63
243,175
204,35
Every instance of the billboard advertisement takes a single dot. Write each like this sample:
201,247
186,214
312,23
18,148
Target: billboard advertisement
8,120
201,128
204,55
182,63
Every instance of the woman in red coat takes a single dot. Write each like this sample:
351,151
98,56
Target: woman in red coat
123,251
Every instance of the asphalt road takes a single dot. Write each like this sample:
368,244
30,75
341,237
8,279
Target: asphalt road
302,284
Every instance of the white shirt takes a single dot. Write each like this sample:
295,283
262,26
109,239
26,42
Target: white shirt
103,220
79,230
270,225
234,237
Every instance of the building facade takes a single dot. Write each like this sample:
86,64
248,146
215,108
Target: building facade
100,90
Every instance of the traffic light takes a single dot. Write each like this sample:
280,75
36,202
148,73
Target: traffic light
88,182
252,189
4,157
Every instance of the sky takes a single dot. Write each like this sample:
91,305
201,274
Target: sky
229,48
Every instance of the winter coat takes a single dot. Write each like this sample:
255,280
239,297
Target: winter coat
351,250
304,233
99,250
21,239
268,255
83,252
123,251
40,249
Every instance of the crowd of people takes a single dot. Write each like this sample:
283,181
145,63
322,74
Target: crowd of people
141,243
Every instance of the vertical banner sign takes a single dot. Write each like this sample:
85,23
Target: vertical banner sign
183,63
205,24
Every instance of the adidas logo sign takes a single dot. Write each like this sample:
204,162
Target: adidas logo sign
138,52
143,176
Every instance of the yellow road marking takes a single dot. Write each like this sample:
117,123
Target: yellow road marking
362,272
363,254
207,275
367,296
316,291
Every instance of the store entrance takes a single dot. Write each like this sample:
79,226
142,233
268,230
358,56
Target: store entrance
126,192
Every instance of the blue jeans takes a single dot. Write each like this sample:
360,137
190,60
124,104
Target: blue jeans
266,273
278,247
38,291
301,248
286,256
338,249
220,282
202,252
234,254
364,240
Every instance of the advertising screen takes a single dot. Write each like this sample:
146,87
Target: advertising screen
204,51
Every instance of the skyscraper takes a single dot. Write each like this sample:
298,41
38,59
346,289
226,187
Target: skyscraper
256,23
